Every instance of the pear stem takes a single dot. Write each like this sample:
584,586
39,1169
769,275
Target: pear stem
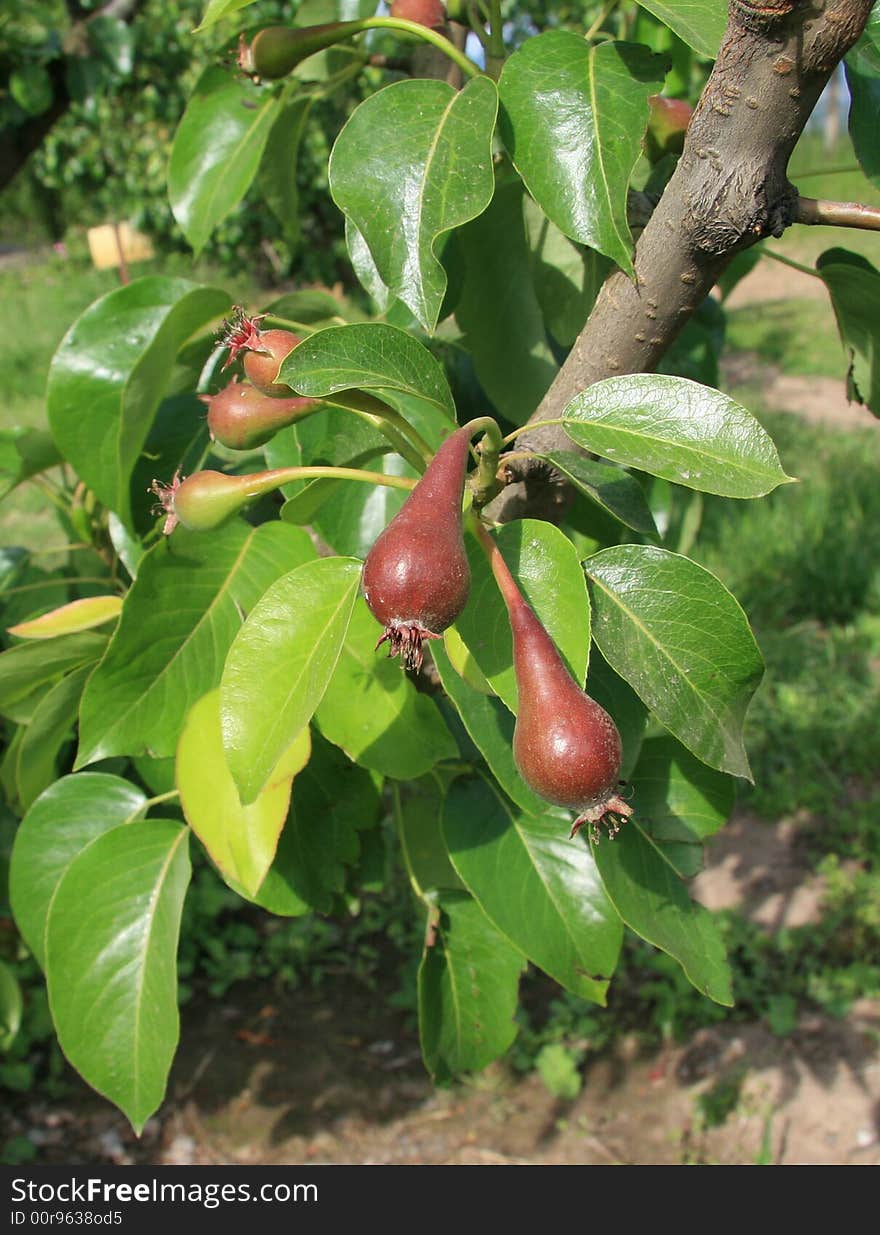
406,440
439,41
484,482
265,482
513,597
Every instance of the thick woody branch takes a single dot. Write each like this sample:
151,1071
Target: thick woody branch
837,214
729,190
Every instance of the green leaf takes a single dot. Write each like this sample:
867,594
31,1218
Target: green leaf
31,88
111,371
178,621
418,813
676,634
333,799
490,726
611,487
241,840
216,10
365,268
217,150
544,563
413,162
280,664
57,828
113,41
24,452
367,356
352,521
536,884
111,961
74,616
622,703
28,666
862,66
468,984
679,802
677,429
652,900
278,168
700,23
50,728
11,1007
499,312
566,278
374,712
854,287
572,118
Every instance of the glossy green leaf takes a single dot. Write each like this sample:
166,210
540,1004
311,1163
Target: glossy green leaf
280,663
352,521
116,361
57,828
499,312
862,66
413,162
676,634
23,453
28,666
572,118
468,984
418,814
566,277
278,168
374,712
545,564
217,150
700,23
653,901
536,884
11,1007
677,429
678,801
216,10
622,703
76,615
333,800
241,840
111,961
31,87
177,624
50,728
614,489
367,356
365,268
854,286
490,726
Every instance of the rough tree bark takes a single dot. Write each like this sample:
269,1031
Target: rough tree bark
729,190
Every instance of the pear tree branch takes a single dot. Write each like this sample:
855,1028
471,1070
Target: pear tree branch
729,190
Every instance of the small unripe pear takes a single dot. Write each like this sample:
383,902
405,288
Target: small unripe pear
277,50
429,13
668,120
264,351
416,576
242,417
566,746
206,499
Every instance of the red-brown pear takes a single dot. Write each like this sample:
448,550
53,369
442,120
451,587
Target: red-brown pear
566,746
416,577
264,351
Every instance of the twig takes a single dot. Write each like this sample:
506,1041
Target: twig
837,214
